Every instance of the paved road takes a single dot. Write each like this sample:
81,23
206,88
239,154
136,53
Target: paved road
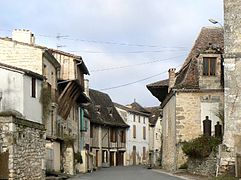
125,173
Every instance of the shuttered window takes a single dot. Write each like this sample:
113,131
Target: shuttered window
144,153
144,132
33,88
134,131
113,135
209,66
123,136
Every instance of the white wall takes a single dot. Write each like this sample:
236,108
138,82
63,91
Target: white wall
32,108
16,95
12,90
139,142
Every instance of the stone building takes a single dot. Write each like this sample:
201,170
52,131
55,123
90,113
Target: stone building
137,135
22,52
155,136
107,131
191,94
62,95
22,133
232,80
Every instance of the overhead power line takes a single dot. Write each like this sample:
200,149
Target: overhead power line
67,37
131,52
134,82
133,65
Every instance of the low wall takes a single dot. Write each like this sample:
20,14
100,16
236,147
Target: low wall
25,142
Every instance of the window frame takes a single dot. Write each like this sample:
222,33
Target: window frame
209,66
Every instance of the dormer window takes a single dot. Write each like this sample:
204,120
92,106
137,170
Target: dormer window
97,108
209,66
110,110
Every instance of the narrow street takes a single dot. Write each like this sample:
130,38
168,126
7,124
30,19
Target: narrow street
125,173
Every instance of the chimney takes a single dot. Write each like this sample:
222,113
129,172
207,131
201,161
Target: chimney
86,85
22,35
171,78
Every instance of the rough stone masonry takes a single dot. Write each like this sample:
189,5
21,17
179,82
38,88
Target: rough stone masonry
232,83
25,143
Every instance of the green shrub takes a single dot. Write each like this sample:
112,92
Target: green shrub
200,147
78,157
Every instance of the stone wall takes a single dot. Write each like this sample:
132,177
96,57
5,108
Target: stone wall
25,142
206,167
169,135
232,82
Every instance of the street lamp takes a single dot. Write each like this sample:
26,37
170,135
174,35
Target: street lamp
213,21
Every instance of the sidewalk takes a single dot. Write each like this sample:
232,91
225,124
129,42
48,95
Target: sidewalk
182,174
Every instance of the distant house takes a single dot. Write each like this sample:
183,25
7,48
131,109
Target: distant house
22,143
191,94
107,131
137,136
155,136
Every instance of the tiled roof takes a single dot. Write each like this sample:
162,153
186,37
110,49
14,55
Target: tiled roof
136,106
131,110
103,102
209,38
187,77
155,114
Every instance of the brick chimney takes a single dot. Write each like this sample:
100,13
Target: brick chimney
87,90
171,83
22,35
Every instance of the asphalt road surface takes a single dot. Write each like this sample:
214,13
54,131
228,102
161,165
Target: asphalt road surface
125,173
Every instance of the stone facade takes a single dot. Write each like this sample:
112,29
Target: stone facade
232,81
205,167
182,123
232,68
25,142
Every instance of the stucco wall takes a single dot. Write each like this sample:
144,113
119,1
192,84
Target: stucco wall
16,94
32,104
139,142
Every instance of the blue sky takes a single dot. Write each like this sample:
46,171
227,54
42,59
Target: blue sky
116,33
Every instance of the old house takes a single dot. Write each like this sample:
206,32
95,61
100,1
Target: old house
62,95
107,131
22,133
155,136
72,102
22,52
137,135
191,94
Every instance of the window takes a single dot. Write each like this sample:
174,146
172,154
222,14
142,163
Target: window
123,136
134,131
139,119
33,88
144,153
144,132
144,120
134,118
209,66
113,135
91,131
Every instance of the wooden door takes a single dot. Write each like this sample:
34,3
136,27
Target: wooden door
96,158
4,165
112,158
134,155
120,158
